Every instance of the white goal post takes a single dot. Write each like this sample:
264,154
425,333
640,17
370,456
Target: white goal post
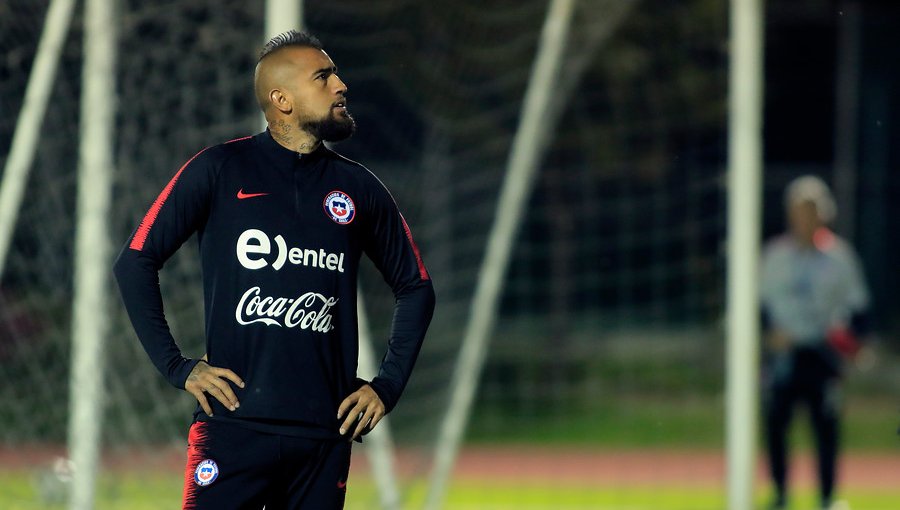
744,211
528,145
90,320
28,122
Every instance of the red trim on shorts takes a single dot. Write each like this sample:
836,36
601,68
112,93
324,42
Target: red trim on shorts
195,454
140,237
423,272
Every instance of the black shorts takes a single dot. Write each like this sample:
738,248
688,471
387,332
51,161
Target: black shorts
232,467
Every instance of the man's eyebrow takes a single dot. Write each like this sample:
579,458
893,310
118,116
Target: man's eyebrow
326,70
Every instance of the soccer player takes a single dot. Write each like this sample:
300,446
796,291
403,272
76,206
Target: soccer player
814,302
282,222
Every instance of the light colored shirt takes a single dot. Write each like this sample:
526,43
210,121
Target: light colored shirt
806,291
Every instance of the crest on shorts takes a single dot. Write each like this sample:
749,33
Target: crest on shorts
339,207
206,473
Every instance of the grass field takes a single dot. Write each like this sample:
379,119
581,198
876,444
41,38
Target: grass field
650,429
155,492
869,424
654,425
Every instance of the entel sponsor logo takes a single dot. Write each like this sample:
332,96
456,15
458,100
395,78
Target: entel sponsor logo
308,311
255,242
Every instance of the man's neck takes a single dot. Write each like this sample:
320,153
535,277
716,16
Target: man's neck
292,137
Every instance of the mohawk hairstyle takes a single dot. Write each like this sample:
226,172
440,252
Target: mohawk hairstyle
289,38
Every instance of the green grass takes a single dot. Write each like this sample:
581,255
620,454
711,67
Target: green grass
157,492
870,424
620,422
20,491
510,497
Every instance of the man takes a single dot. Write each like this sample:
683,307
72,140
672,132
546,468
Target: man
814,302
282,222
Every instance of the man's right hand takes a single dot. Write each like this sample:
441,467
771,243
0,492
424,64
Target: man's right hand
205,378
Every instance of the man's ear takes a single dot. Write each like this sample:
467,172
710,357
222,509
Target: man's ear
280,101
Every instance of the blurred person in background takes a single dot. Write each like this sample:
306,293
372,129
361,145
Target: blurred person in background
815,307
282,222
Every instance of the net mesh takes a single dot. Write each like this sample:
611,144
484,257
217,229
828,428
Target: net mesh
36,288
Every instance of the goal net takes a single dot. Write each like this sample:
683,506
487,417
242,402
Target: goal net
606,338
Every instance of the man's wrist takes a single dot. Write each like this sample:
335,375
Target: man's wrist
185,371
383,394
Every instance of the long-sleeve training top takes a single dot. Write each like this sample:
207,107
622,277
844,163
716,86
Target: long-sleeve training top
807,290
281,235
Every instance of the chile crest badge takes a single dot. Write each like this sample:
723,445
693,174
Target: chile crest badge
339,207
206,473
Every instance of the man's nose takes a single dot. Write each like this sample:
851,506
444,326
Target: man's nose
339,86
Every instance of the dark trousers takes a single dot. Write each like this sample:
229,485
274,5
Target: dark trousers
809,376
230,467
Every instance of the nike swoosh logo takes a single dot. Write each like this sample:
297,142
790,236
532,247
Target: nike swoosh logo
341,485
241,195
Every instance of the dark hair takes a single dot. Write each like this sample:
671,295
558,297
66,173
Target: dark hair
289,38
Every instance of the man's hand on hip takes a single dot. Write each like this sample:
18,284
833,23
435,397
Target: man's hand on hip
205,378
364,408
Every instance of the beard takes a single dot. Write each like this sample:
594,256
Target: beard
331,128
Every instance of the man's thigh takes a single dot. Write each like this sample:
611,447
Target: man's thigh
228,466
314,475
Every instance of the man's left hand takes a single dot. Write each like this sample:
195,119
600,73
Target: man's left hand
362,407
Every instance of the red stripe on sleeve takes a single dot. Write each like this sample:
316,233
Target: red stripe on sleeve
140,237
423,273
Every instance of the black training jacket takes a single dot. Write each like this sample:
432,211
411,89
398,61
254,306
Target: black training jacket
280,236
